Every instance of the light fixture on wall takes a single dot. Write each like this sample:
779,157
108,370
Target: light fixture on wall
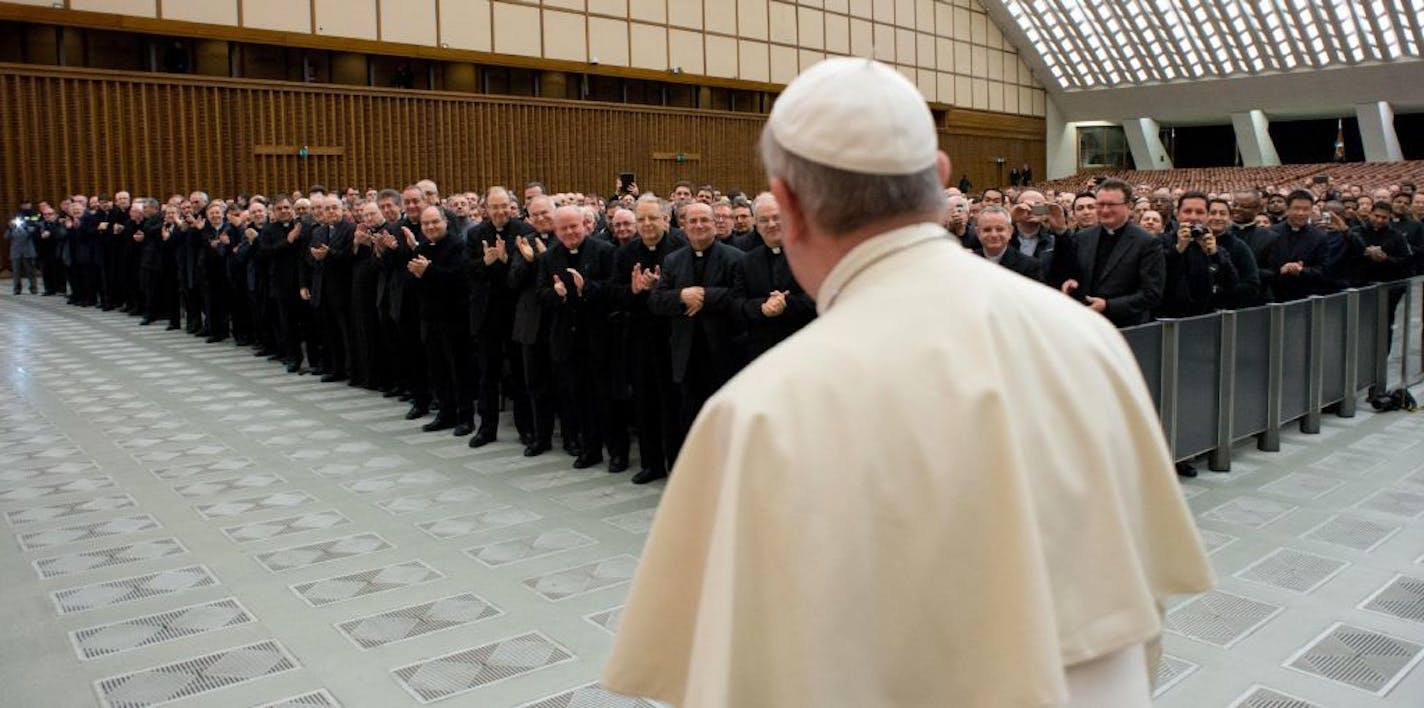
593,61
676,70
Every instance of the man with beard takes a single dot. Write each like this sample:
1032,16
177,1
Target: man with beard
698,291
438,267
637,271
492,245
772,302
574,277
1276,207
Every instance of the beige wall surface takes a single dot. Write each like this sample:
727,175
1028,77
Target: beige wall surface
950,49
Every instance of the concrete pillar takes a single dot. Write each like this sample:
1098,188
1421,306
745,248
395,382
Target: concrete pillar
1253,139
1062,157
1147,150
1377,130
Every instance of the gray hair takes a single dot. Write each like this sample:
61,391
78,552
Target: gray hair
997,210
664,205
839,202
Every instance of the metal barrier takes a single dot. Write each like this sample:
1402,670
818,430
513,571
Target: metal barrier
1230,375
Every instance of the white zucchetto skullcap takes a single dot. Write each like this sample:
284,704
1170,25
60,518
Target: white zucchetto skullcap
856,115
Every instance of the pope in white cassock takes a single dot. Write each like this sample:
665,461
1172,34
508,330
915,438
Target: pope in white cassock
951,489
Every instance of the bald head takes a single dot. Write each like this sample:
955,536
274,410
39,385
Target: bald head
432,223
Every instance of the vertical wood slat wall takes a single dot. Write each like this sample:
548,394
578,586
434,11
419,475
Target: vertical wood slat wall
69,131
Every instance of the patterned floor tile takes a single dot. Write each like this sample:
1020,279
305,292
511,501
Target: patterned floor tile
467,524
1254,512
635,522
425,502
1290,569
1262,697
586,578
501,553
590,696
463,671
195,676
319,593
35,514
377,485
139,587
607,620
1395,502
1302,486
1360,658
1213,541
1171,671
1351,532
1401,598
263,502
605,496
62,535
313,699
221,486
261,530
184,471
418,620
71,563
115,637
1219,618
322,552
39,491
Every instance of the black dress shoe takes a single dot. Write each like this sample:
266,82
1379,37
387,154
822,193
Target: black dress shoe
646,475
333,377
537,448
482,438
589,460
464,429
617,463
1186,469
437,425
526,438
572,448
417,411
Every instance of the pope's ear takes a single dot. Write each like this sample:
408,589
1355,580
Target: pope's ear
793,221
943,164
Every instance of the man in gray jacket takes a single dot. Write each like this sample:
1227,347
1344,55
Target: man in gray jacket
22,234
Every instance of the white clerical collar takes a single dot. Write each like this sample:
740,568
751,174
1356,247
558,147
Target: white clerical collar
776,250
573,251
698,254
871,251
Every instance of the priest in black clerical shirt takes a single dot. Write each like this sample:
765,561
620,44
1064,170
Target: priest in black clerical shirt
1294,262
773,303
698,291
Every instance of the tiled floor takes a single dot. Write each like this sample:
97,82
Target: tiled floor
192,524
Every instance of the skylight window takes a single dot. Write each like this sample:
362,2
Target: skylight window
1144,41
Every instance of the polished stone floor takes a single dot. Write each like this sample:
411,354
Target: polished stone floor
185,523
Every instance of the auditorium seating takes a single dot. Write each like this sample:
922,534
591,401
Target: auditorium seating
1367,175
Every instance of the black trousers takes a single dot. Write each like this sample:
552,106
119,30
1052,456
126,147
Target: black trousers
588,398
153,305
215,302
656,400
544,403
698,384
365,334
53,272
447,349
335,316
412,358
86,283
492,350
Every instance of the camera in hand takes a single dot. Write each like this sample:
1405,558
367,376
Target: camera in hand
1198,232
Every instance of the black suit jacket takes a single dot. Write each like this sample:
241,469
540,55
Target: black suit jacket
577,323
718,319
1016,261
331,276
443,289
1131,280
1309,246
491,300
528,313
765,271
